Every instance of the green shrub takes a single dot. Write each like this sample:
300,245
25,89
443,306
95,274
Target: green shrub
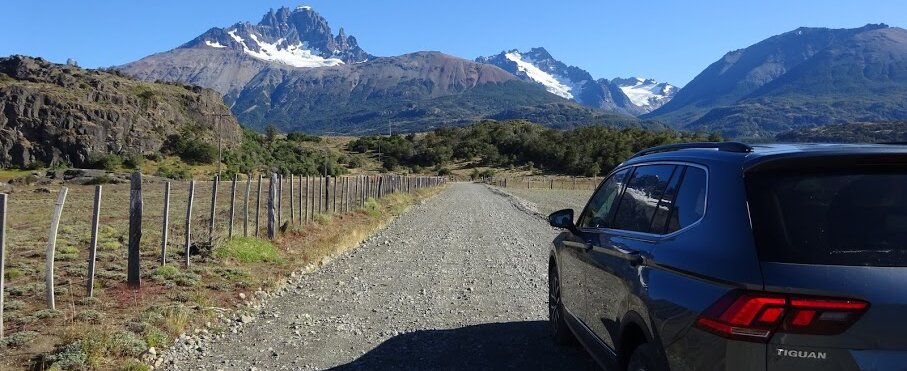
89,316
190,149
47,313
11,305
13,273
248,250
18,339
155,337
108,162
133,161
323,219
69,357
303,137
125,343
371,207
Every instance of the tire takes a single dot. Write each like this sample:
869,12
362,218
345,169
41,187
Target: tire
646,358
559,330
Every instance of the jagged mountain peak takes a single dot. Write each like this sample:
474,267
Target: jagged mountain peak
630,96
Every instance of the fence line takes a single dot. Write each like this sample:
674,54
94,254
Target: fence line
319,194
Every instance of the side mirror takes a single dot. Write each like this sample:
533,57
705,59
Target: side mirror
562,219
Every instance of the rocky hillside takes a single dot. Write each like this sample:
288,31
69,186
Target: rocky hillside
804,78
414,92
53,114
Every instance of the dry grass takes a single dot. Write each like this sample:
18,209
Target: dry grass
172,299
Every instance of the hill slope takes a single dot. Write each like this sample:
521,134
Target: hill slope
806,77
57,114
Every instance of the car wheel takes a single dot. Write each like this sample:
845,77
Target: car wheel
559,330
646,358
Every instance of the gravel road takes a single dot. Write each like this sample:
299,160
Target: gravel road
456,283
548,201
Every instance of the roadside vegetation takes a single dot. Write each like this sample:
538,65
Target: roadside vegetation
585,151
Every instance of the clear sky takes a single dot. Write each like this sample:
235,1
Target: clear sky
667,40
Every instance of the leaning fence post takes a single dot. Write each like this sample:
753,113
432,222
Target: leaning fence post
3,197
272,215
232,206
189,222
166,227
93,244
133,278
245,227
334,196
307,191
51,247
213,209
301,220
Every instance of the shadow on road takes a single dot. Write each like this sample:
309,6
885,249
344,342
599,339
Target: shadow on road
514,345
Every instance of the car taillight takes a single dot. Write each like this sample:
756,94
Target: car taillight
755,316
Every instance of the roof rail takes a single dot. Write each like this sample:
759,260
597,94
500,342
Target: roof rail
721,146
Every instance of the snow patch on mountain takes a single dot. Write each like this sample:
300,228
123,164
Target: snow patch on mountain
554,84
294,55
214,44
647,92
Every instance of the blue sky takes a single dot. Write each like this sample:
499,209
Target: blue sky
666,40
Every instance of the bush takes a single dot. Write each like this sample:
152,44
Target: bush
69,357
155,337
249,250
13,273
47,313
133,161
89,316
13,305
18,339
371,207
303,137
190,149
124,343
109,162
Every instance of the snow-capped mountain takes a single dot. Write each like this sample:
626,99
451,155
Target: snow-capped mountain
227,58
297,38
646,93
570,82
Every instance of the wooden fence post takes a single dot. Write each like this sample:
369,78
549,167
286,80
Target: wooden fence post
213,209
189,222
166,228
292,202
93,244
279,201
133,277
232,206
51,248
307,191
272,214
334,195
245,227
301,199
258,207
3,198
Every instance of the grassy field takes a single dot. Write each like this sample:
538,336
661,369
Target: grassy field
112,329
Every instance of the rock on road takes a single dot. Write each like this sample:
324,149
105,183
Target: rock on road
459,282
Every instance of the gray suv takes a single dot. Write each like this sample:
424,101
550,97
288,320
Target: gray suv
724,256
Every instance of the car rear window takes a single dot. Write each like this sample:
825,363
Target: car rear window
843,218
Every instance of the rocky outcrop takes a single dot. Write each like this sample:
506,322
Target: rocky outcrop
55,114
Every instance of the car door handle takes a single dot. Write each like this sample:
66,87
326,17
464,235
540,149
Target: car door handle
630,256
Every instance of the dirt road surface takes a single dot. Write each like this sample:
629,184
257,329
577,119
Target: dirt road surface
456,283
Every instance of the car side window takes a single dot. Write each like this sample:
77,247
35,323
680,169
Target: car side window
690,202
598,212
639,202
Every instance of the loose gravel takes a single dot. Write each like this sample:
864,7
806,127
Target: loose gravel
548,201
456,283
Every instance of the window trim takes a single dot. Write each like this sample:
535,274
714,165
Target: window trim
620,193
646,236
